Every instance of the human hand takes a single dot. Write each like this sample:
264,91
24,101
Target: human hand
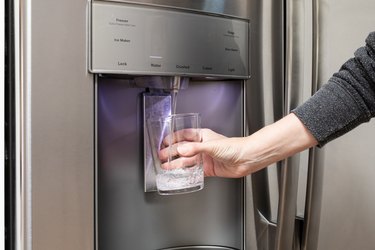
240,156
221,156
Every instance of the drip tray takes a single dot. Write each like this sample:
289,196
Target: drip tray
200,248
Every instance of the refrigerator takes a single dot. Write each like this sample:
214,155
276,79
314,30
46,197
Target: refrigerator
71,127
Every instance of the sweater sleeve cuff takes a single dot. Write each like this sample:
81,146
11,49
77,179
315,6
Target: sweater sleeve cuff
328,114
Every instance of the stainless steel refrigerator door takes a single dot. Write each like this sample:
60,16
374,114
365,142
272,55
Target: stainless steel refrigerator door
54,116
347,214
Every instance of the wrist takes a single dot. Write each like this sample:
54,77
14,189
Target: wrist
276,142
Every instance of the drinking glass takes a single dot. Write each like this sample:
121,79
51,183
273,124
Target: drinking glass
176,174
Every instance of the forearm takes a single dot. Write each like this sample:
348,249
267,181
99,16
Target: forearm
276,142
239,156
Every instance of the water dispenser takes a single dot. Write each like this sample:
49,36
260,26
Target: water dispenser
142,57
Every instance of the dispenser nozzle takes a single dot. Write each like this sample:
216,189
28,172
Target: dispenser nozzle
176,83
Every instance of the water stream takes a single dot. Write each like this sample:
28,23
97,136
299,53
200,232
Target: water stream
174,101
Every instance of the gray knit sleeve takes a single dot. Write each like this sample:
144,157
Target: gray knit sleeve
347,100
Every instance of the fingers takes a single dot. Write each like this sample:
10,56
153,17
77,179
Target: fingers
172,157
182,135
191,135
181,162
168,152
189,149
186,149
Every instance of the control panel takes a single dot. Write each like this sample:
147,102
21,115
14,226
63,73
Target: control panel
144,40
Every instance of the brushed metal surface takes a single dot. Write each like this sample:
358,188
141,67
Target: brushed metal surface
213,216
144,40
264,105
23,209
297,71
238,8
57,138
314,185
347,219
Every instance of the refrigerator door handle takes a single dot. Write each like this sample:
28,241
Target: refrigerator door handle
315,170
295,75
313,201
287,204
